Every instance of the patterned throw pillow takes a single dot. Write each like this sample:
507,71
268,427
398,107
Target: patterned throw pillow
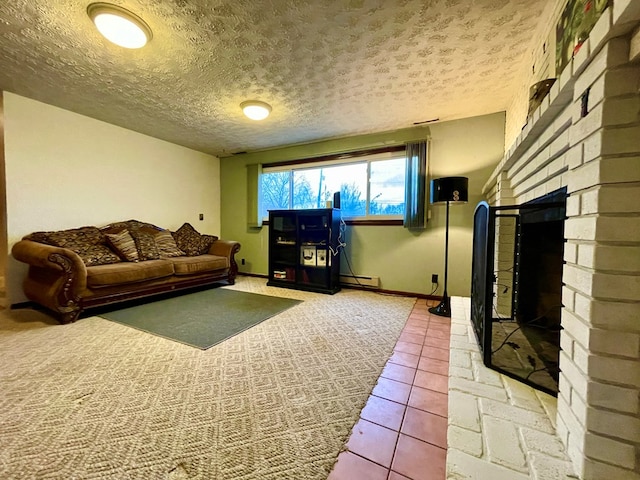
98,255
205,243
145,244
188,240
88,242
167,245
124,244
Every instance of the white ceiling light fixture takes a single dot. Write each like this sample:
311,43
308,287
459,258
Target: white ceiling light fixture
255,109
119,26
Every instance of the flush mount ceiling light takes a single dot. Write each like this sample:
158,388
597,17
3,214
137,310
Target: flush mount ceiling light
256,110
119,26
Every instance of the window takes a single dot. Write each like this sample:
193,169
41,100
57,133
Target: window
371,186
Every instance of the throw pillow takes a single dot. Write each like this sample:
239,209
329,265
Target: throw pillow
75,238
167,245
124,245
87,242
98,255
188,240
205,243
145,244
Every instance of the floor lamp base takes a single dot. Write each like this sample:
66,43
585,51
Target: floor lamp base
443,308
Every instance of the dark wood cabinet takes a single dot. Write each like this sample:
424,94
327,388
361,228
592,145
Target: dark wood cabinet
303,249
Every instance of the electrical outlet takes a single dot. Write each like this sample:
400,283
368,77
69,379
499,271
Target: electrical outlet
434,278
202,216
242,261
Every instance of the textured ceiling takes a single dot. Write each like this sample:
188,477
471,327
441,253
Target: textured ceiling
328,68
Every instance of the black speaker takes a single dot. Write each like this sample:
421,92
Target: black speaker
449,189
336,200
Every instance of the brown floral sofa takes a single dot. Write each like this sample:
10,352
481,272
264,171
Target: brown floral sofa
74,270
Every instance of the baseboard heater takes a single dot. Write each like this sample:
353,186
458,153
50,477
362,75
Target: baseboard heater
361,280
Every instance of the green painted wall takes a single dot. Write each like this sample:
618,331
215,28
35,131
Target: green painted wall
404,260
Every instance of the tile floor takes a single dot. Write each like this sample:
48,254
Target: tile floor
402,430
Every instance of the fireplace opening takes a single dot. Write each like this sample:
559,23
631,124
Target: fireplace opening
516,292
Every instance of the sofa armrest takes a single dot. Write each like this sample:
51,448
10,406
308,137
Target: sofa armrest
56,277
224,248
227,248
47,256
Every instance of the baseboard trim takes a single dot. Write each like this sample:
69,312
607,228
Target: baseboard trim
20,305
368,289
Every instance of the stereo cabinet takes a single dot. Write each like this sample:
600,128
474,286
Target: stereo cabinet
303,249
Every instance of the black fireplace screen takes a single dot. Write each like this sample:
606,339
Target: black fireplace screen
516,288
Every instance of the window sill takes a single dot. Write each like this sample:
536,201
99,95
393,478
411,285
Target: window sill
374,222
363,222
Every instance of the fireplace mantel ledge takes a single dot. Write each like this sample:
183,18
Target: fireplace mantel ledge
498,427
611,24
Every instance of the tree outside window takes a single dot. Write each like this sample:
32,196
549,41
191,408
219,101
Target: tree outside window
314,186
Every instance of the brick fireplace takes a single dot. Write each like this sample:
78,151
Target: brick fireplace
585,137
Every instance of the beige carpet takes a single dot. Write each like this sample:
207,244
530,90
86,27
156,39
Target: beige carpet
96,399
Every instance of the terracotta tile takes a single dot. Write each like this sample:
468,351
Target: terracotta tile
443,327
411,338
432,381
416,329
435,352
392,390
434,365
429,401
412,348
425,426
434,332
383,412
419,460
417,322
439,320
422,317
406,359
373,442
396,476
399,372
437,342
352,467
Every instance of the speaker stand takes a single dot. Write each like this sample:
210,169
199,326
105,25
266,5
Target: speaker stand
444,307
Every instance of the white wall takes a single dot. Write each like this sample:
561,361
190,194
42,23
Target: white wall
65,170
3,211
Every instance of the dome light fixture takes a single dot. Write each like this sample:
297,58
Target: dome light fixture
119,25
255,109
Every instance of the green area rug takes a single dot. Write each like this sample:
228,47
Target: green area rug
202,319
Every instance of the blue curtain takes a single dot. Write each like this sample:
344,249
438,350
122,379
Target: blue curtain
415,216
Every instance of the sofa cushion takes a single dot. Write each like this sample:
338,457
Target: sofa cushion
167,245
124,245
191,242
127,272
88,242
199,264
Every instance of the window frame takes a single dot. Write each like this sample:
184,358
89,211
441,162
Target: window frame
337,159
